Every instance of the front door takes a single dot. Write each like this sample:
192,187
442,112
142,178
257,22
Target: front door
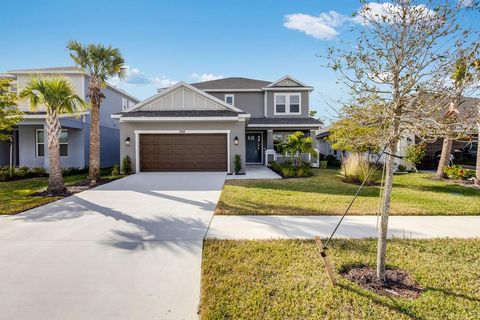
254,147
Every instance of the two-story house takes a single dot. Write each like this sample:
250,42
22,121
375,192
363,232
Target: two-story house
29,143
202,126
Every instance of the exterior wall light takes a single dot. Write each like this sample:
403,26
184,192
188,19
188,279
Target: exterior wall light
235,141
127,141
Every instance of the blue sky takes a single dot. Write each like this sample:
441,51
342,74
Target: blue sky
167,41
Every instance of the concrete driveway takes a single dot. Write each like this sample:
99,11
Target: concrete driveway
130,249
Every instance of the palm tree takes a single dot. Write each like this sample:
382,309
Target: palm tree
58,97
297,143
99,63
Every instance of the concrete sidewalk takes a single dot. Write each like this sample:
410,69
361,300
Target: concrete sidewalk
307,227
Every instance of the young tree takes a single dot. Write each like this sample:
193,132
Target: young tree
415,153
356,131
58,97
9,113
399,59
99,63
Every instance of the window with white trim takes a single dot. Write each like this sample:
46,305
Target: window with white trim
230,99
124,103
287,103
40,143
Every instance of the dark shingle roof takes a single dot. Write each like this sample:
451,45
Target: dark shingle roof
182,113
284,121
232,83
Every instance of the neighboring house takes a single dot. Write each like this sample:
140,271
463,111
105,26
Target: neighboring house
29,137
202,126
463,150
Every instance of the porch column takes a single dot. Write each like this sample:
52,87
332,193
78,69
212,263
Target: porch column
269,139
45,147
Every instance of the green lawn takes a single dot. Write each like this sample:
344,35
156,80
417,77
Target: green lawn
285,279
15,196
326,194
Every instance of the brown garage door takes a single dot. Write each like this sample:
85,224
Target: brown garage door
183,152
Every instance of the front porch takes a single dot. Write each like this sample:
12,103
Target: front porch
262,147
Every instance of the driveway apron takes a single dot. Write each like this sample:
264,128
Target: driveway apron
130,249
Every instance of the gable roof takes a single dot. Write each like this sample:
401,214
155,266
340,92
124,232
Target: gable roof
232,83
174,88
287,77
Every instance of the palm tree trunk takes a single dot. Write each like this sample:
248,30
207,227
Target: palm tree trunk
445,157
382,231
94,158
55,180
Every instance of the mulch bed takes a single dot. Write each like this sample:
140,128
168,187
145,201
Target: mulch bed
398,282
72,189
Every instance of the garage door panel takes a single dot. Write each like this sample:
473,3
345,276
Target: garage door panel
183,152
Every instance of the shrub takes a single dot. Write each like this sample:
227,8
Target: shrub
355,169
304,170
38,171
456,172
22,172
323,164
115,170
332,161
287,171
127,165
401,168
237,163
71,171
415,153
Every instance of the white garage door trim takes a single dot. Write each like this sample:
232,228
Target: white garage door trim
139,132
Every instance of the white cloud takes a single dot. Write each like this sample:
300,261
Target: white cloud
388,13
320,27
465,3
205,77
324,26
136,77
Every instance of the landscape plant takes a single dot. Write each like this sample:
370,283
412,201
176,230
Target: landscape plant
99,63
237,164
297,144
415,153
126,165
355,169
58,97
400,57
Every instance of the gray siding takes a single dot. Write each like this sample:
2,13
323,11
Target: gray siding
237,128
250,102
27,145
253,102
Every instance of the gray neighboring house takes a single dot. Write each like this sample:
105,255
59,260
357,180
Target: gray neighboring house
29,137
202,126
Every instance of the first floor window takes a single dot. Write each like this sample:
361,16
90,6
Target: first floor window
40,148
63,139
40,145
279,141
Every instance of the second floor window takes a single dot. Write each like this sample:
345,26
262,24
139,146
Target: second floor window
287,103
230,99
